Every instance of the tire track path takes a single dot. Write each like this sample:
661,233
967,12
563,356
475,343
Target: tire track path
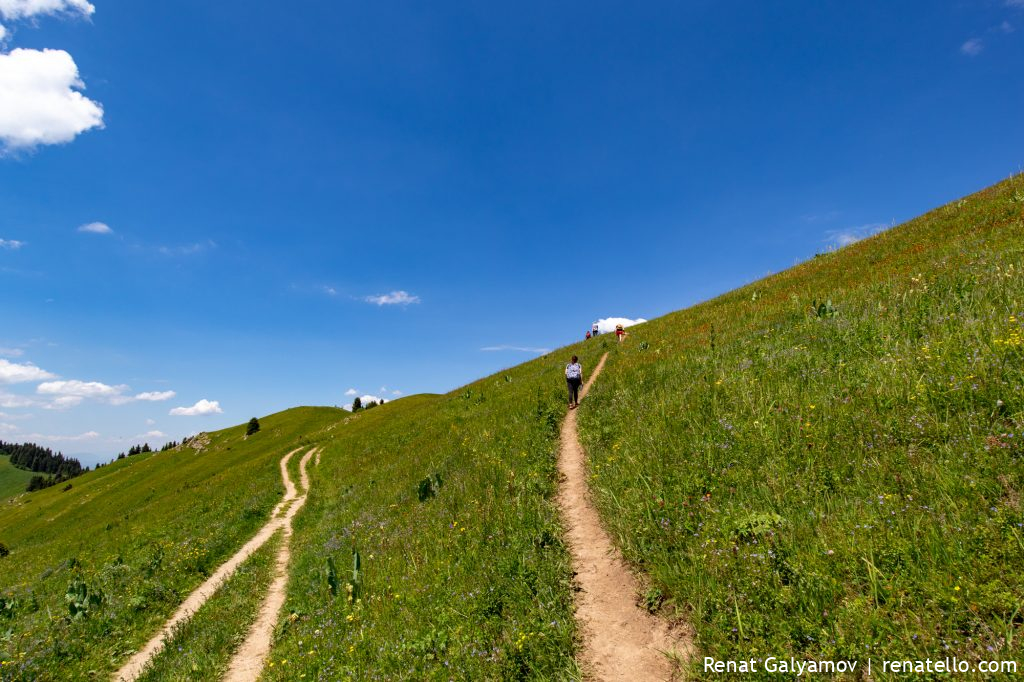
248,661
137,663
621,640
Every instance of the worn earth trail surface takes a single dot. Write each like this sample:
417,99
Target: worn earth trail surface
248,661
621,640
280,518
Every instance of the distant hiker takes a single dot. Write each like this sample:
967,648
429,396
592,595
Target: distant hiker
587,337
620,333
574,379
595,330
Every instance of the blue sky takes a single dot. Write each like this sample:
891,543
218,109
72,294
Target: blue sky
287,202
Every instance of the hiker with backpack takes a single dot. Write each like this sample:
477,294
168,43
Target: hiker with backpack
574,379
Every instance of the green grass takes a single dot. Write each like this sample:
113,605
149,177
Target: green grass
201,648
825,464
12,479
798,482
143,532
472,583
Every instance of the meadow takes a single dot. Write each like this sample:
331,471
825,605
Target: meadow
95,570
827,463
12,479
430,546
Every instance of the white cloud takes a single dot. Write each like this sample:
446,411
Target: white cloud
95,228
607,325
15,373
972,47
39,99
12,400
203,407
14,417
3,32
1006,27
64,402
840,238
150,422
1015,3
188,249
47,438
394,298
363,399
351,392
520,349
11,244
156,396
330,291
24,9
80,389
12,352
153,434
396,392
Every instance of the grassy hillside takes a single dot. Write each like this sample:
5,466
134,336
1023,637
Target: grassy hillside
825,463
142,533
828,462
12,479
470,582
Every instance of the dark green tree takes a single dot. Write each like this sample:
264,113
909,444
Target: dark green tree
254,426
357,404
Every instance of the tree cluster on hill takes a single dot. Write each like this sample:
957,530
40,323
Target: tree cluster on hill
32,457
357,404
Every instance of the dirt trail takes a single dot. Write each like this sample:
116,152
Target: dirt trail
137,663
621,640
248,661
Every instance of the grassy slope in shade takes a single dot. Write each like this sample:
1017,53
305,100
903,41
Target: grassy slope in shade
839,485
144,532
473,583
12,479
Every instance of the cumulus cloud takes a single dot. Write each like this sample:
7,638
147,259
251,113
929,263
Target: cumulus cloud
155,396
363,399
12,352
351,392
394,298
203,407
95,228
80,389
11,244
150,422
520,349
16,373
840,238
607,325
40,102
64,402
24,9
972,47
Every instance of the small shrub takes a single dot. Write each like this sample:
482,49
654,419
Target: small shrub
429,487
3,550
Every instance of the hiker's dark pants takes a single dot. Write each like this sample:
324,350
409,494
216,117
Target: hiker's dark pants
574,390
